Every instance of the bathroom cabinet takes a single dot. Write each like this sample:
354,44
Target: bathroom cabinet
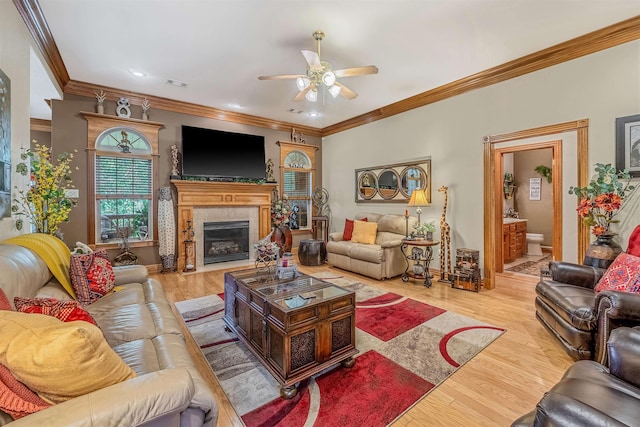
514,239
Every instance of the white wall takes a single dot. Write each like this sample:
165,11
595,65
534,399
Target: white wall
15,44
599,87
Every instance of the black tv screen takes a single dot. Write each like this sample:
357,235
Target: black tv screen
218,154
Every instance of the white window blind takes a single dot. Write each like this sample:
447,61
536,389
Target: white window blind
123,176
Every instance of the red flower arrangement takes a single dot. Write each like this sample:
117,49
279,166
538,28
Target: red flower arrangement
601,200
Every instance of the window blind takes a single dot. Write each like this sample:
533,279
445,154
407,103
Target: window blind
123,175
297,184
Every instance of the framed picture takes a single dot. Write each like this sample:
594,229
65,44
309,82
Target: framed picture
535,185
628,144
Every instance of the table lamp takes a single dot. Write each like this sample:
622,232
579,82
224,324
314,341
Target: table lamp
418,199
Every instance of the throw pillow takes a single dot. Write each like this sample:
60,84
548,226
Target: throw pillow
364,232
67,311
57,360
16,399
348,229
4,301
622,275
91,276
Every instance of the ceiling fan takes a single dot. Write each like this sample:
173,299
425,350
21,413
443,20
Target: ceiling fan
319,73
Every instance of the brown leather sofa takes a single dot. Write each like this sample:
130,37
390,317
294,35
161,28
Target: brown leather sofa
591,394
577,316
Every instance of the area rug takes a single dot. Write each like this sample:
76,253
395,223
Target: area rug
406,348
531,267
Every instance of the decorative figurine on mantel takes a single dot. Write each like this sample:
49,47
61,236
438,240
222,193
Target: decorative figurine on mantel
269,171
175,162
100,96
124,107
189,248
297,136
146,106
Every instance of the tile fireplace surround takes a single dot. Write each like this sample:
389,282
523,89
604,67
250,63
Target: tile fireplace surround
202,201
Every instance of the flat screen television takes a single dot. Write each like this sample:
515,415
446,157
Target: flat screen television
217,154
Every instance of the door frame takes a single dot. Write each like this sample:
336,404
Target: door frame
556,168
581,127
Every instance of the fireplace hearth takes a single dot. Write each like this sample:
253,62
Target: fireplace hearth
225,241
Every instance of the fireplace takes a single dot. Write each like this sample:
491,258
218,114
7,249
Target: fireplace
225,241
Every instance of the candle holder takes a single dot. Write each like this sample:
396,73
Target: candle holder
189,248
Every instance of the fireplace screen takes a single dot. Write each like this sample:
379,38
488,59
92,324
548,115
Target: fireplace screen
226,241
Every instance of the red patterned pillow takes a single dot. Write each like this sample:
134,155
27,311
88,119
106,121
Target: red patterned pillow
622,275
347,234
16,399
91,276
67,311
4,301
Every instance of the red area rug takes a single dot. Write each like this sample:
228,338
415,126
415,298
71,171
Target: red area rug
406,349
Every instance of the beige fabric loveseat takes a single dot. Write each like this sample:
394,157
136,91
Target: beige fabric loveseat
380,260
139,325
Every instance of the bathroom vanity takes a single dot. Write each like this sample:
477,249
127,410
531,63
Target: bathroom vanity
514,238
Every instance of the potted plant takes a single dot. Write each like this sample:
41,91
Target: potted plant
425,230
599,203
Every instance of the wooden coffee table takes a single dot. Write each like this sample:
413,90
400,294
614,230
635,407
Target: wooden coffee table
296,327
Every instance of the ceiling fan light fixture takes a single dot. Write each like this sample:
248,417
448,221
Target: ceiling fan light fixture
312,95
334,90
328,78
302,83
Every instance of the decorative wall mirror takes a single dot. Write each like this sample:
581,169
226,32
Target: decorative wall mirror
367,185
412,178
393,183
388,184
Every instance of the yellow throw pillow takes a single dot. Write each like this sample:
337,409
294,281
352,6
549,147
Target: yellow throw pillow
57,360
364,232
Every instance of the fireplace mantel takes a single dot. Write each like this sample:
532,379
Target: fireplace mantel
192,194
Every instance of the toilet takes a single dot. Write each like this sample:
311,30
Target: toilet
533,243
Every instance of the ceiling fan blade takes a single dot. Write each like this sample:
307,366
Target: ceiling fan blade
302,93
312,58
284,76
356,71
346,92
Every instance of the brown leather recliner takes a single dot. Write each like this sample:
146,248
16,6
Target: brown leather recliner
580,318
591,394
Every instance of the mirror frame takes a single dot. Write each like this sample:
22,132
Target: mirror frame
400,195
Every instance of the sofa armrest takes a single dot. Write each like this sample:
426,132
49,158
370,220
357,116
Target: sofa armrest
154,399
336,236
624,354
614,309
130,274
557,409
391,243
575,274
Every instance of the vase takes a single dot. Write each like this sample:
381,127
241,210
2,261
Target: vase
602,252
100,108
282,237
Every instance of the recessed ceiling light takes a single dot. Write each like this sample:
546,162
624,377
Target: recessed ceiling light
313,114
176,83
234,105
138,73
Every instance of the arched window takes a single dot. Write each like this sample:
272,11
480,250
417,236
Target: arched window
123,186
297,174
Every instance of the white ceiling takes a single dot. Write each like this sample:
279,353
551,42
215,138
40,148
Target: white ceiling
220,47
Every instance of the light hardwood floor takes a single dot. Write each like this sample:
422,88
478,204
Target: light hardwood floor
494,388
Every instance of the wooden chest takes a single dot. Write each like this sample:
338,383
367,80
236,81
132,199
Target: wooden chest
296,327
466,272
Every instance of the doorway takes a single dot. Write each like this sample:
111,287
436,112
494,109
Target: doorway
579,129
530,206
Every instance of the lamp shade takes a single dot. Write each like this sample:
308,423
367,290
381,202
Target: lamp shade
418,198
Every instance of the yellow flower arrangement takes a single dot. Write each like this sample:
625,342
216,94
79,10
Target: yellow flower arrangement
45,202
